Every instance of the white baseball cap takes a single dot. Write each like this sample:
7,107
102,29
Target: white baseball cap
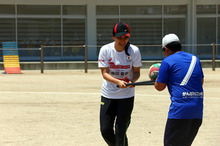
169,38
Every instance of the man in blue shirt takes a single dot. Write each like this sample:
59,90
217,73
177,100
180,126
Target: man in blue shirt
182,73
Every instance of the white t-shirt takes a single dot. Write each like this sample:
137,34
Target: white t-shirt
120,66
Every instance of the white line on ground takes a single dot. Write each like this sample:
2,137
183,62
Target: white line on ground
70,93
88,93
24,92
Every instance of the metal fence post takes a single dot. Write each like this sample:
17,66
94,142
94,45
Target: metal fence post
86,58
213,57
42,58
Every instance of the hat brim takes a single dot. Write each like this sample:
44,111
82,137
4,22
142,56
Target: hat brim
122,33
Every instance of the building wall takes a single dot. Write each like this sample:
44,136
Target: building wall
64,27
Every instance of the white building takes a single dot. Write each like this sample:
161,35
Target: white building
33,23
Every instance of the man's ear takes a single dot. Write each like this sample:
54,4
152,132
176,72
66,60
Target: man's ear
165,49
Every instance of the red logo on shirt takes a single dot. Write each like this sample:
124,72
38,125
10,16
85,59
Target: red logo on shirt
125,79
101,60
113,66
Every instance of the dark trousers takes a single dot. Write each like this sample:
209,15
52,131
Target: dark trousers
115,112
181,132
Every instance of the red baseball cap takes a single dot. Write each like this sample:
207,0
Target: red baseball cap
121,29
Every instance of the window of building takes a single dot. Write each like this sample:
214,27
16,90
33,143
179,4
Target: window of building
74,27
206,36
7,25
74,10
104,32
107,10
7,31
34,32
175,10
38,9
48,25
206,9
144,33
176,26
73,35
140,10
218,9
207,30
147,25
39,25
7,9
218,39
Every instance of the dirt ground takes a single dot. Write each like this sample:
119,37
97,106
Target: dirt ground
61,108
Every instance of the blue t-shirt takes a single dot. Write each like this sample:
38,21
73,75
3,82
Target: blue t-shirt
182,72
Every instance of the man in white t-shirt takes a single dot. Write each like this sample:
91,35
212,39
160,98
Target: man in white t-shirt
120,63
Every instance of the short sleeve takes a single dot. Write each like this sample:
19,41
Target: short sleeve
163,75
136,58
103,58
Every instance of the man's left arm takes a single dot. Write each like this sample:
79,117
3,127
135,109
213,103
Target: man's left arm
159,86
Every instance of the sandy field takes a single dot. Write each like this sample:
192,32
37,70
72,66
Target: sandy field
61,108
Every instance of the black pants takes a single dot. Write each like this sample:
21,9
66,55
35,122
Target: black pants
181,132
115,112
